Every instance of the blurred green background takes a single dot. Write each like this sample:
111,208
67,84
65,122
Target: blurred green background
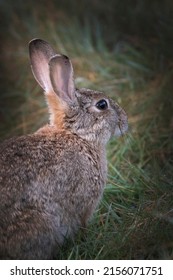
123,48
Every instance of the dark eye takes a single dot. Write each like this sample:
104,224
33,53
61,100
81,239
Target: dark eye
102,104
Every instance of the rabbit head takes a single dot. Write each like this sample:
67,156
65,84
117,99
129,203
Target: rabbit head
87,113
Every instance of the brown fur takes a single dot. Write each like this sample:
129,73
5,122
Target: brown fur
56,110
51,181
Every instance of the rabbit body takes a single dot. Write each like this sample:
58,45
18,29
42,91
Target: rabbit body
44,196
52,180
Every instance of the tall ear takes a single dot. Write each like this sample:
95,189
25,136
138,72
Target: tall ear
40,54
61,76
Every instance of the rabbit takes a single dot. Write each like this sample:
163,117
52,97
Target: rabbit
51,181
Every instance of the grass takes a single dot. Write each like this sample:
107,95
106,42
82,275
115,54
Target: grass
135,217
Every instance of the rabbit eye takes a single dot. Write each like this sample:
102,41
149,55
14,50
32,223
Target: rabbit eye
102,104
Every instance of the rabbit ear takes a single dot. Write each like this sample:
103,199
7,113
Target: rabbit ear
40,54
61,76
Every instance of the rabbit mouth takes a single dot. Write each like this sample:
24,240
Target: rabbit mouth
121,128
